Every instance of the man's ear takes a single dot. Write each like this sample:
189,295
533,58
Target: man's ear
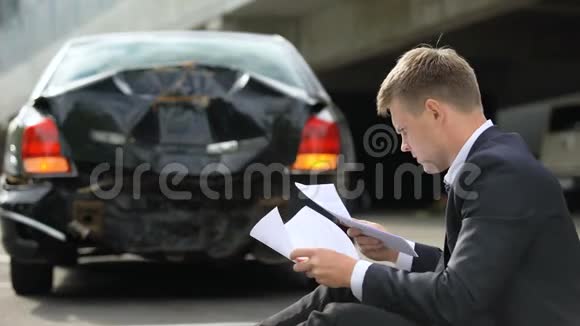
435,109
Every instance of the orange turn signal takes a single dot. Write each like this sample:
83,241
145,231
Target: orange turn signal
46,165
318,162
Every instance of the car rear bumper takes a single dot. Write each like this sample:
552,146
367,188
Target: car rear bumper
29,245
150,226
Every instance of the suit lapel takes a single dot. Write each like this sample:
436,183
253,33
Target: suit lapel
453,216
452,224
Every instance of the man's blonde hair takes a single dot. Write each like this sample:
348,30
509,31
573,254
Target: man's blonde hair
425,72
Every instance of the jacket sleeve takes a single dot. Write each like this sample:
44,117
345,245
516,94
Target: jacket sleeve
428,258
496,228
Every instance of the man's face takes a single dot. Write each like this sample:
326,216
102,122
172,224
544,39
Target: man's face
422,135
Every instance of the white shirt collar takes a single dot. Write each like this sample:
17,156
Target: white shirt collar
462,155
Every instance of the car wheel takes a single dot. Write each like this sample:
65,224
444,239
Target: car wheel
30,278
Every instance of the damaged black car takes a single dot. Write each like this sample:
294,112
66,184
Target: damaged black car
168,146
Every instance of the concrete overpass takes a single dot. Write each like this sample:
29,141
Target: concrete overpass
522,49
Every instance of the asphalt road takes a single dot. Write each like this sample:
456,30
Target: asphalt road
137,293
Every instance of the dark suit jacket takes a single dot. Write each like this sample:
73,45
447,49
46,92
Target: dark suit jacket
511,253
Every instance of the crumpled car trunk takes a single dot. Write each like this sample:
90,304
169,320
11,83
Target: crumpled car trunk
191,115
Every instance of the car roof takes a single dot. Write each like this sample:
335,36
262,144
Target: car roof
185,34
180,34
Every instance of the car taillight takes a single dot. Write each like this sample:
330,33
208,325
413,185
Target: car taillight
41,150
320,146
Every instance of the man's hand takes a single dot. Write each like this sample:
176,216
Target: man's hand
327,266
372,247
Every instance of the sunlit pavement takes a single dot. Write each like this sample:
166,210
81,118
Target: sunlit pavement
153,294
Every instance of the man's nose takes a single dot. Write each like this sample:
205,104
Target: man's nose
405,147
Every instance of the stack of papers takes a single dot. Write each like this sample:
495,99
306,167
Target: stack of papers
310,229
307,229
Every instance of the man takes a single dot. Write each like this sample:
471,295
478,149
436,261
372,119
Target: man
511,253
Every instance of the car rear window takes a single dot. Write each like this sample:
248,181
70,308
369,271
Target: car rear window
87,59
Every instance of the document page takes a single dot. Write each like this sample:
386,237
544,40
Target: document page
326,196
270,230
307,229
310,229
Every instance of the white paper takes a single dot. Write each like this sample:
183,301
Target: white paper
310,229
326,196
307,229
270,231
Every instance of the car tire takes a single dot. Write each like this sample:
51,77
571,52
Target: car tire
31,278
